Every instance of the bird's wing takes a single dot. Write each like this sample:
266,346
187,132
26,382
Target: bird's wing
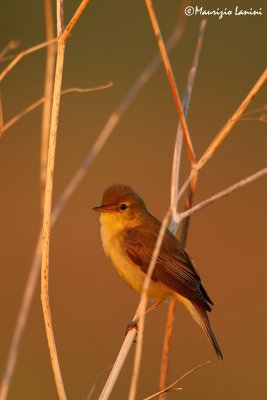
174,267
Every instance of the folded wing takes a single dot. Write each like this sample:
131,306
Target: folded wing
174,267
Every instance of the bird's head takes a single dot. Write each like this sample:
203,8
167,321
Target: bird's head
121,206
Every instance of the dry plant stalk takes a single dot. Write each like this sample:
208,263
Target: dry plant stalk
222,135
223,193
48,91
24,53
142,307
103,136
49,189
47,223
173,386
42,100
172,83
232,121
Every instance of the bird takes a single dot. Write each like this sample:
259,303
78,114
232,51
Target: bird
129,233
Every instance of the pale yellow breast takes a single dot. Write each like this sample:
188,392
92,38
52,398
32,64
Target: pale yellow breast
129,272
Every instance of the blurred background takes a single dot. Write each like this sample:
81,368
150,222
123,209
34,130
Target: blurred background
90,305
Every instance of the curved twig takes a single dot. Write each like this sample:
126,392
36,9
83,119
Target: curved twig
172,386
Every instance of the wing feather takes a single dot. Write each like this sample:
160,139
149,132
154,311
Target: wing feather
174,267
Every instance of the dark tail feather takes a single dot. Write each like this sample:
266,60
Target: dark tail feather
205,325
200,316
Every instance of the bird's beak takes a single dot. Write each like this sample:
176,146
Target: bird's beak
100,209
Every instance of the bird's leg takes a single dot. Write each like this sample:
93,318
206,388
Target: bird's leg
134,324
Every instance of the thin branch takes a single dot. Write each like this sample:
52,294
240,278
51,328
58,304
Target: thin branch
74,181
48,91
171,79
120,360
186,103
60,17
231,122
142,307
87,90
172,387
22,114
48,201
47,223
40,101
174,195
167,346
240,184
73,21
223,134
23,54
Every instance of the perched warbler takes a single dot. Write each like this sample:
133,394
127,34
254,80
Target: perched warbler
129,233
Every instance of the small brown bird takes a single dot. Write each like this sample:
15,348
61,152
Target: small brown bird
129,233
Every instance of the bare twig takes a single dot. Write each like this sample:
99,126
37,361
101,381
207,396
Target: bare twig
125,348
22,114
222,194
105,133
174,195
40,101
47,223
48,91
170,76
142,307
172,386
73,21
87,90
223,133
48,194
23,54
231,122
167,345
186,103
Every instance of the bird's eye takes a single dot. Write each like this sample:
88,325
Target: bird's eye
123,207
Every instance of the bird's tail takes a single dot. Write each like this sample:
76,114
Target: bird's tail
199,314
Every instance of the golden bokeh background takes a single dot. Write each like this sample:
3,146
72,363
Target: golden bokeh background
90,305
